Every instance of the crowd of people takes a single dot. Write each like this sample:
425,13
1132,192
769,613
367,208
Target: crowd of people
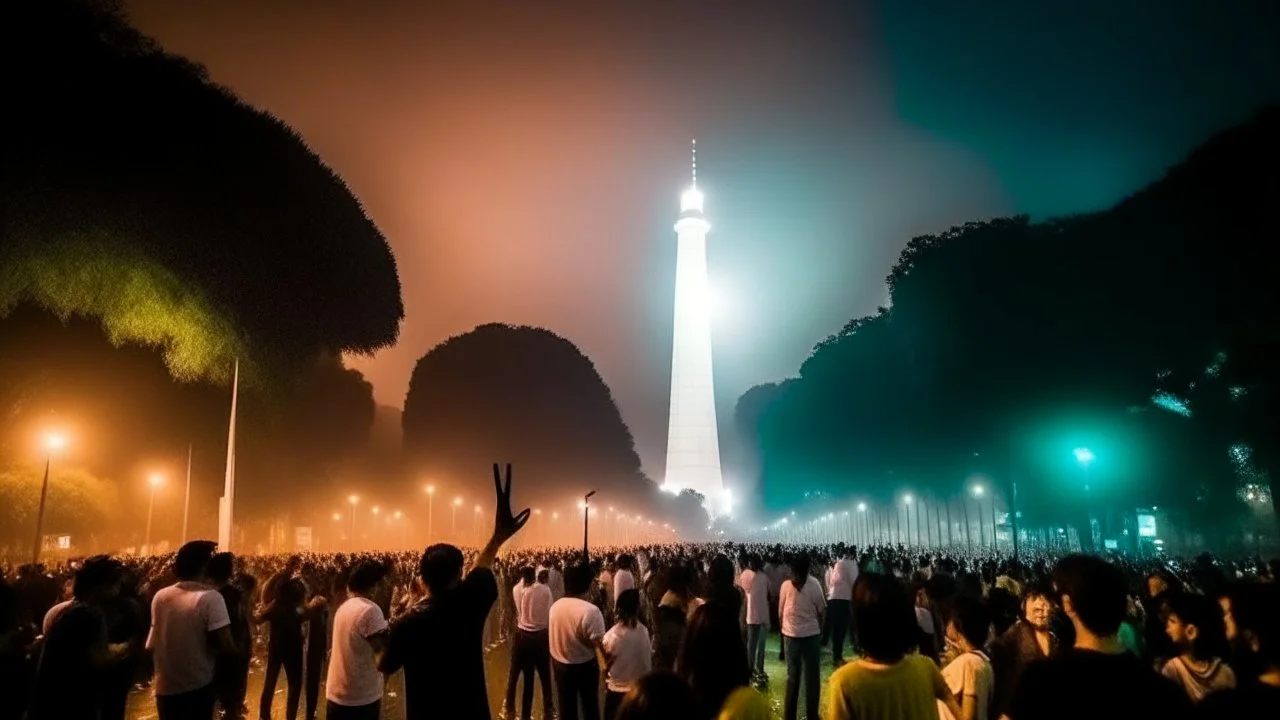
670,632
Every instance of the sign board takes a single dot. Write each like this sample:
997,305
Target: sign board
1111,544
302,538
64,542
1146,525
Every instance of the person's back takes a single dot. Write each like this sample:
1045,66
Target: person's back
68,685
353,677
905,690
182,616
1090,684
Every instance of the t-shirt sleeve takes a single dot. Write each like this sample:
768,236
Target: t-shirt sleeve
593,624
215,611
371,622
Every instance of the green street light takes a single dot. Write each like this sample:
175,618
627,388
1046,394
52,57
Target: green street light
1084,455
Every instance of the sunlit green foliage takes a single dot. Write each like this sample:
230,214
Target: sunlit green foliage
78,502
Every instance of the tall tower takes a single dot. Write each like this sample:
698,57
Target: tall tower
693,445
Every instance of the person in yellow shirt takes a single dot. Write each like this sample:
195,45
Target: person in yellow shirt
890,680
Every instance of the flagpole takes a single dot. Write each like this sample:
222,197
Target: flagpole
186,501
226,505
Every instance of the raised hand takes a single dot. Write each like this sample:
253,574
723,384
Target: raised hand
505,525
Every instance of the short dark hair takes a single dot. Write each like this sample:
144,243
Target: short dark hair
441,564
628,605
884,620
220,567
1098,591
971,618
97,572
193,558
365,576
1206,615
578,579
528,575
1039,588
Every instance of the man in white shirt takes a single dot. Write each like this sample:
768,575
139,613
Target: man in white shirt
185,617
530,652
755,585
624,579
353,687
840,578
576,629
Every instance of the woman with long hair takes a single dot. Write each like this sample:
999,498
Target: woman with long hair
628,650
713,660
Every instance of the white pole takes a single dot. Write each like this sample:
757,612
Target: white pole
186,502
227,507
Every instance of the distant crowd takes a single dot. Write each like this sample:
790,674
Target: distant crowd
670,632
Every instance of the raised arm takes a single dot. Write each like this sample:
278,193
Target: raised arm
505,525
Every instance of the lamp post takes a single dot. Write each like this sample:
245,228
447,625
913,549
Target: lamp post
862,513
540,532
475,525
431,513
186,498
977,497
586,513
906,511
52,444
453,519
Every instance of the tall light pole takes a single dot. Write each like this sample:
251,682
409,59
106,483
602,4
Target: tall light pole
186,498
586,513
475,525
354,500
977,497
375,509
154,481
403,527
431,513
906,510
52,444
453,519
862,513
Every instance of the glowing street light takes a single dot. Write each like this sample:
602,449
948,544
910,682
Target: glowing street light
1084,456
453,517
862,507
978,490
154,481
354,500
53,443
337,517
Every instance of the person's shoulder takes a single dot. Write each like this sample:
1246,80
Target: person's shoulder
847,673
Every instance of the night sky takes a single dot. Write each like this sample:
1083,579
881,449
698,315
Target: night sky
525,158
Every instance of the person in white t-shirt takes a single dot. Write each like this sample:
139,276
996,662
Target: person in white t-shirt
530,651
184,617
576,630
800,607
970,675
755,585
840,579
628,650
624,579
353,687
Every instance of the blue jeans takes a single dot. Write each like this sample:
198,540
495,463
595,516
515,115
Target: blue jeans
756,636
802,657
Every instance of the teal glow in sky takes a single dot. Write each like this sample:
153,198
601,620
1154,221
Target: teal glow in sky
525,159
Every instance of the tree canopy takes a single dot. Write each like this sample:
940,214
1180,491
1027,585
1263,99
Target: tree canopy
1146,332
136,191
527,396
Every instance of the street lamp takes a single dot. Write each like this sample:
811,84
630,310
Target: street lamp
906,511
1085,457
475,525
453,518
978,490
586,514
431,511
53,443
154,481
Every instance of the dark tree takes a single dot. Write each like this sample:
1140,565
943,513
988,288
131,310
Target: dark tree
527,396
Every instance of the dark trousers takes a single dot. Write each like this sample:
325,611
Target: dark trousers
334,711
291,660
194,705
530,653
756,636
576,683
314,673
231,685
802,661
837,627
612,701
